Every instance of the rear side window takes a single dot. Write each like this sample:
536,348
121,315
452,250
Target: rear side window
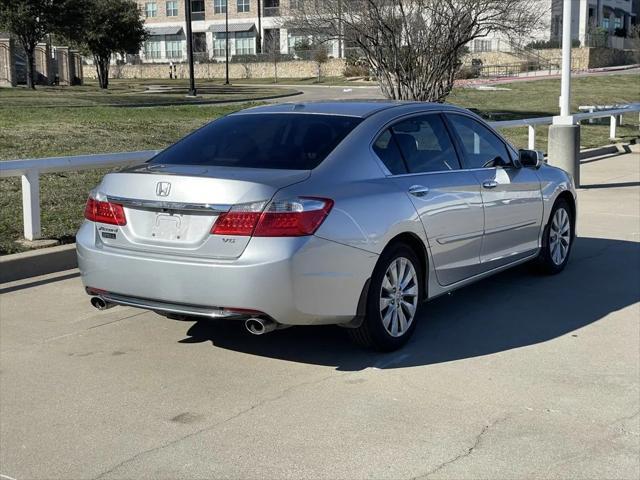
276,141
387,150
425,144
481,146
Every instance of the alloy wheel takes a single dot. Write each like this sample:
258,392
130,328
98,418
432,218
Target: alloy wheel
399,297
560,236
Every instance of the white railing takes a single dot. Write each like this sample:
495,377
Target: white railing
614,114
30,169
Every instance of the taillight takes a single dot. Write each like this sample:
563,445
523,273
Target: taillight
285,218
241,220
105,212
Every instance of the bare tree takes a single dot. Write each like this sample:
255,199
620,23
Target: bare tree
320,55
413,47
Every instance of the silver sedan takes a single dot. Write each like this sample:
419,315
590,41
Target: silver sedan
347,213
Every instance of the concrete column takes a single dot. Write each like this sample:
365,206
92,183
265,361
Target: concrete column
7,62
43,64
75,67
583,22
31,205
564,149
64,65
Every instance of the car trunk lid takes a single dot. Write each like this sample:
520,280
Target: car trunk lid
170,209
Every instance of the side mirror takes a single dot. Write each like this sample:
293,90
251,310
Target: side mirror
531,158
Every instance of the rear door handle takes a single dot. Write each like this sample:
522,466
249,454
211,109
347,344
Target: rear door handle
418,190
490,184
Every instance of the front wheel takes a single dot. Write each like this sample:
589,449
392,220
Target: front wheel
395,292
557,239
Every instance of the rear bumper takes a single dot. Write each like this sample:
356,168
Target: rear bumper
295,281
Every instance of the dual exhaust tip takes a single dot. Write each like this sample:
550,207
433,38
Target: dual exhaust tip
101,304
260,326
254,325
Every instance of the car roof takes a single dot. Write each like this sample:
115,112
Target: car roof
350,108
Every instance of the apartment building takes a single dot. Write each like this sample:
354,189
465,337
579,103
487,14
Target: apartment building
590,19
254,26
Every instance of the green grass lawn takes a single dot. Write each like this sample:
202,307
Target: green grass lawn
135,93
42,123
540,99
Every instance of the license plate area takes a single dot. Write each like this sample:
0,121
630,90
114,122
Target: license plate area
169,226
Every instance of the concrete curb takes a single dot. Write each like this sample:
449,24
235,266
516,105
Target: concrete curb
182,104
19,266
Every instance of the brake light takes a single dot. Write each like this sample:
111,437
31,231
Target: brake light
105,212
289,218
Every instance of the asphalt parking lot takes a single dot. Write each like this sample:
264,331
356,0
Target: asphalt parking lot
519,376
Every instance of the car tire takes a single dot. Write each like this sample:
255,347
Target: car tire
557,239
391,315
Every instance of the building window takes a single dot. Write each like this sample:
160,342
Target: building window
173,45
152,49
245,43
243,6
298,40
482,45
199,42
150,9
605,23
172,9
219,6
219,45
617,22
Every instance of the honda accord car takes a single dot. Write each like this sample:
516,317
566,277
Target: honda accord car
347,213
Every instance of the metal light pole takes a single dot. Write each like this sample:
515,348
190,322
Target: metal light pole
564,134
192,82
226,41
259,39
565,87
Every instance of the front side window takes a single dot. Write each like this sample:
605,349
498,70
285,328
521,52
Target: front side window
481,147
286,141
425,144
243,6
245,43
174,46
219,6
172,9
150,9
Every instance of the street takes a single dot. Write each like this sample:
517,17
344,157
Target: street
520,375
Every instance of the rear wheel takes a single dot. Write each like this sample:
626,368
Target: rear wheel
395,292
557,239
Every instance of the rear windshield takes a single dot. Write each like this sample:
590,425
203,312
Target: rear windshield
291,141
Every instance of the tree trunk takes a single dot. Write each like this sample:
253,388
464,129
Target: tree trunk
102,69
30,67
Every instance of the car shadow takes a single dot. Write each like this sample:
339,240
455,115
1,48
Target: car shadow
510,310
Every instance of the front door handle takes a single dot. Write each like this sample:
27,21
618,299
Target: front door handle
418,190
490,184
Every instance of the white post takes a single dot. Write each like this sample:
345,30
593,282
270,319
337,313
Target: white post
612,128
565,88
31,204
532,137
564,134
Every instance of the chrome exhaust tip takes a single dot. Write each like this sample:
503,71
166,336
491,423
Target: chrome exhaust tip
260,326
101,304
